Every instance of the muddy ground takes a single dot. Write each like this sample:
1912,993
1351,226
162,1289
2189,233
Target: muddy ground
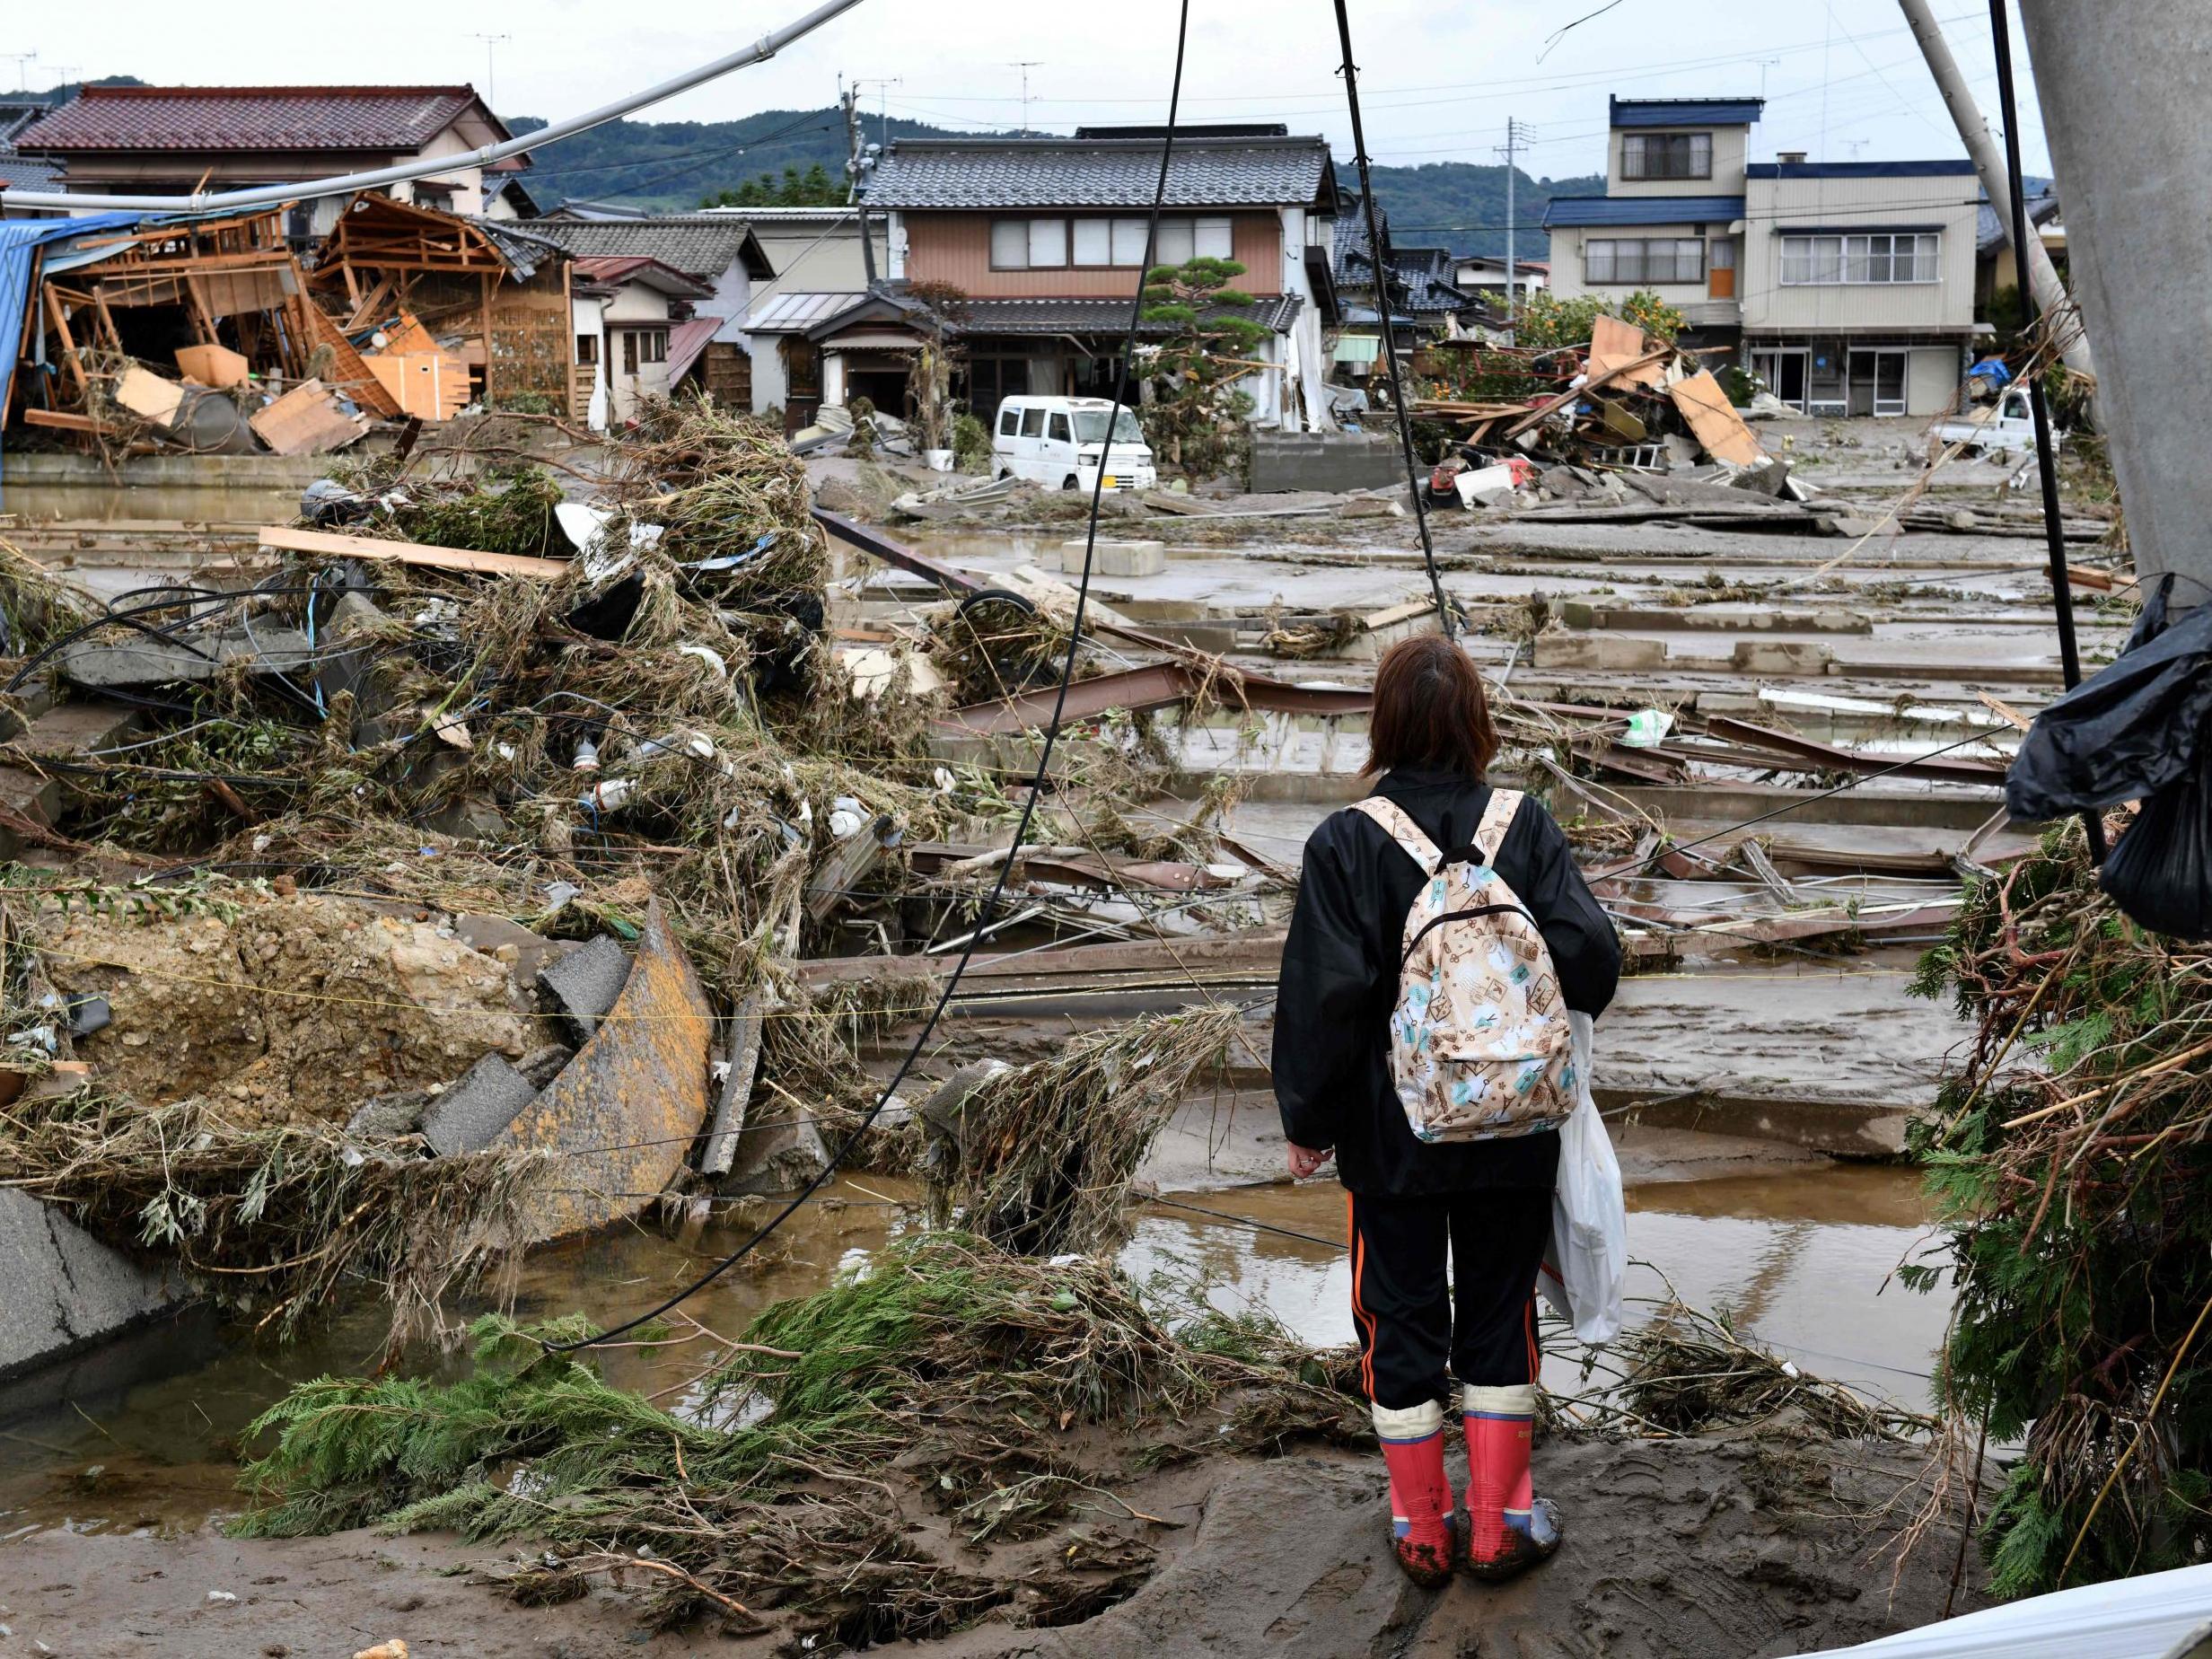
1765,1541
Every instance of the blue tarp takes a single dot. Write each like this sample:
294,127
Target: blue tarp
20,240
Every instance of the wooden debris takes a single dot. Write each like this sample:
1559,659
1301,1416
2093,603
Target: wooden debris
306,421
214,366
409,553
1714,421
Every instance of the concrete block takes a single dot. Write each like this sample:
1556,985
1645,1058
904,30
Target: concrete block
1116,558
471,1113
1781,656
61,1289
624,1112
1334,461
1577,613
1599,651
583,986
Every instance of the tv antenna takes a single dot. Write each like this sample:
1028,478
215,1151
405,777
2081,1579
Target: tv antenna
491,78
1025,65
22,61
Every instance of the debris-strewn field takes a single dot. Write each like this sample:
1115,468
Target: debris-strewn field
541,833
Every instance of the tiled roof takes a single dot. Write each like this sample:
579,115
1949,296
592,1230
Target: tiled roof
666,278
1571,210
1097,316
1958,169
1101,172
24,172
699,244
227,118
1686,111
2042,202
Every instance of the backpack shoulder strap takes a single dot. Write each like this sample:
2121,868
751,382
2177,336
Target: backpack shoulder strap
1497,819
1393,823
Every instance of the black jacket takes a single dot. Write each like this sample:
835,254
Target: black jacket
1339,982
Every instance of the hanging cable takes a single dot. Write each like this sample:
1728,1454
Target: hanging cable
1379,252
1038,779
2061,588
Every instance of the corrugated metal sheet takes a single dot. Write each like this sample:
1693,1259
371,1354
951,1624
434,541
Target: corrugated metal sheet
1575,210
789,313
1686,111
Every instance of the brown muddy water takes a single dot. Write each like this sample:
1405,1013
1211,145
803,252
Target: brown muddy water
149,1439
191,504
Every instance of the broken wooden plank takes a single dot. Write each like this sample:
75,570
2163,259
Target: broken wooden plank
349,369
1595,382
306,421
1713,421
289,540
1618,344
60,420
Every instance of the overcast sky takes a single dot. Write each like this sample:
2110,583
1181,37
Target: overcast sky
1843,81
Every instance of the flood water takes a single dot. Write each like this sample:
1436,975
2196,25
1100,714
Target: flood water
191,503
1800,1258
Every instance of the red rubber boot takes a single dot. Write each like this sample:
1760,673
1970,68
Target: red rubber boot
1509,1529
1421,1529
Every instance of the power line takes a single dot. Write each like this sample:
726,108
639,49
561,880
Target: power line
1036,781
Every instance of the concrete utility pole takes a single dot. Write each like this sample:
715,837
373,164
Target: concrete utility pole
1513,136
2122,93
2050,295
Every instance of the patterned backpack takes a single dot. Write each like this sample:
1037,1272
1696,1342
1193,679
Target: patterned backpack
1479,1048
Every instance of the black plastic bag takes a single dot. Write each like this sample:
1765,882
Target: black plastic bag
2161,872
2135,728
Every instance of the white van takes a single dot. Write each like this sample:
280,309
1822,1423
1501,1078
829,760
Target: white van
1058,443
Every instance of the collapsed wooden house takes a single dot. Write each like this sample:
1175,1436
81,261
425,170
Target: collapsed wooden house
399,310
452,310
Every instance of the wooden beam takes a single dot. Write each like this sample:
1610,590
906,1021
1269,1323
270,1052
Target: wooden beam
59,318
60,420
410,553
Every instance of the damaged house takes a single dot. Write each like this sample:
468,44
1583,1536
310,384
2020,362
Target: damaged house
177,140
718,262
1846,286
1045,240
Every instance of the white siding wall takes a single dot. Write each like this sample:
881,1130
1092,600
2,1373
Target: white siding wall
1727,180
1772,206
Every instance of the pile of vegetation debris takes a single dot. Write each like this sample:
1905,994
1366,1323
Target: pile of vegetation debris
998,1398
2068,1158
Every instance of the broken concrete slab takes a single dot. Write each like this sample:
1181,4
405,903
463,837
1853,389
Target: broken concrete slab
1572,650
730,1110
469,1115
61,1289
1116,558
270,647
624,1112
387,1117
1781,656
584,984
776,1155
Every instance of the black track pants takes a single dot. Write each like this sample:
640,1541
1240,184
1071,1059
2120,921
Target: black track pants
1416,1331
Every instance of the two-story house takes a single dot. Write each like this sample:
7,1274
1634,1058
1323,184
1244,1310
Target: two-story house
175,140
1848,286
1045,239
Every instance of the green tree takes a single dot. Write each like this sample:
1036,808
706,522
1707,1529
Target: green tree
1197,421
1546,321
814,187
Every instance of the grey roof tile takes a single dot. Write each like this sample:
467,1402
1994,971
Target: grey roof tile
697,244
1097,172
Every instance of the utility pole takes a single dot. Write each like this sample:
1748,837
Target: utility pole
1025,65
850,98
2049,293
491,77
1512,142
2129,76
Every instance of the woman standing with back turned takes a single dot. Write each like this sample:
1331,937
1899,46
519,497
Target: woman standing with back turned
1346,1071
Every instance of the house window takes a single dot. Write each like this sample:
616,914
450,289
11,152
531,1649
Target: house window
629,351
1877,256
1049,244
655,346
1646,260
587,349
1666,155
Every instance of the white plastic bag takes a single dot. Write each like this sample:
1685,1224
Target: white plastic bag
1587,1260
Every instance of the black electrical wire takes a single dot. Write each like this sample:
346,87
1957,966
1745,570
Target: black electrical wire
1380,252
2061,589
1036,781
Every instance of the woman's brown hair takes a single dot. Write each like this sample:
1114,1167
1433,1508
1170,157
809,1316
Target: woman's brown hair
1430,711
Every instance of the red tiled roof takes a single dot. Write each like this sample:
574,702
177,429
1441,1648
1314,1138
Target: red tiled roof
224,119
619,267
